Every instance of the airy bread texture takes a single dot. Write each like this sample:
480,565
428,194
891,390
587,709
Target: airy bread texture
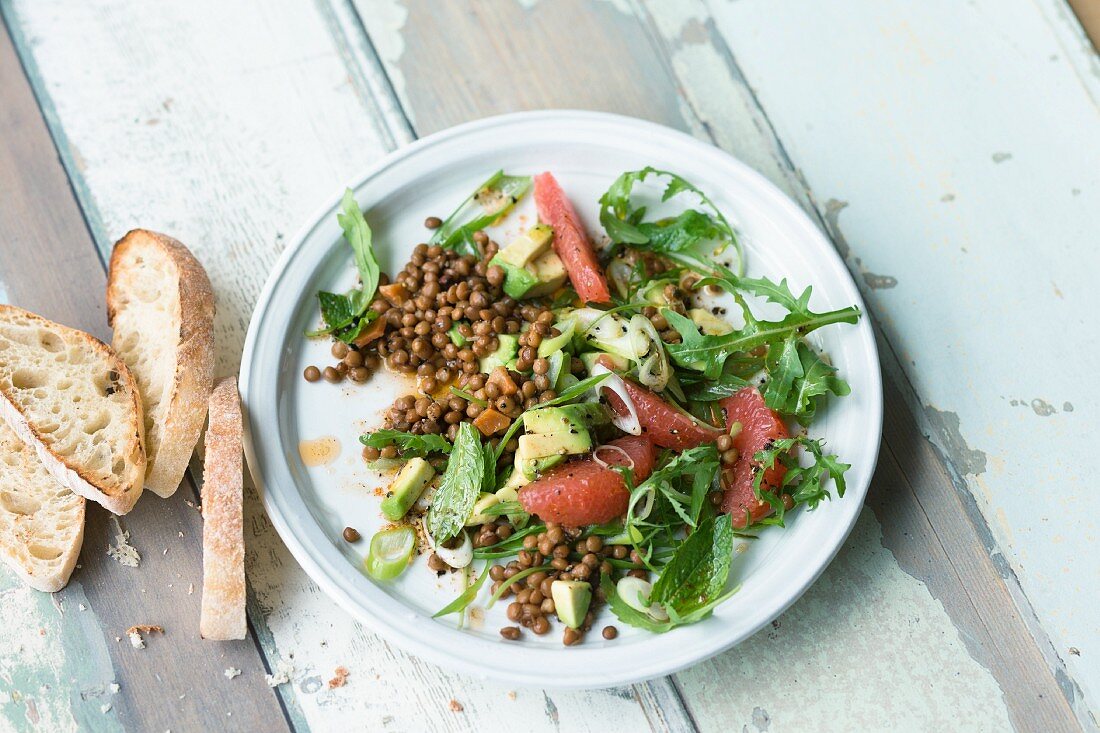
41,521
223,589
69,397
161,306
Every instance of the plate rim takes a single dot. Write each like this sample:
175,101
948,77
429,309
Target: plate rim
457,661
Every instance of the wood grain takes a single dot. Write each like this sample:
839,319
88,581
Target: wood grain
177,681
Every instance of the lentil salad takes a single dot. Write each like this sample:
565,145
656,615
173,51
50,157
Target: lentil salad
585,419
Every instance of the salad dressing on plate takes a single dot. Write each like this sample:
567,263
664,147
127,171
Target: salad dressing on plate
320,451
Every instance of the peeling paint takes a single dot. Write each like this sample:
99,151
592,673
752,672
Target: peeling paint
833,207
879,282
1042,408
948,437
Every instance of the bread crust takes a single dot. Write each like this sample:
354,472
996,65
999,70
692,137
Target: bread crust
223,581
194,377
70,475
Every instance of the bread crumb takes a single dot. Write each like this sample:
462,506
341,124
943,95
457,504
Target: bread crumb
135,632
232,672
113,687
283,670
339,679
105,708
456,706
122,550
511,694
180,534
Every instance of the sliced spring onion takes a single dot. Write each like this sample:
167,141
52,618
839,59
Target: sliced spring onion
492,200
390,551
507,583
628,423
635,593
611,449
465,598
457,557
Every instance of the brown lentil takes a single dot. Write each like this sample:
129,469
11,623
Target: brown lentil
311,374
610,632
351,534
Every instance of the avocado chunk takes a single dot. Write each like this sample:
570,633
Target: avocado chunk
571,601
456,336
562,443
526,247
709,323
407,488
504,356
556,419
617,362
541,451
549,273
517,280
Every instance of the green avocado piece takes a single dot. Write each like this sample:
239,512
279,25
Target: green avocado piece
562,443
517,280
577,417
617,362
526,247
550,273
534,467
456,337
571,601
504,356
407,488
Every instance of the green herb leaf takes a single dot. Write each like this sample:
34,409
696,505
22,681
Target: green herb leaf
698,571
693,238
409,444
492,200
358,235
628,614
459,487
806,484
467,596
798,378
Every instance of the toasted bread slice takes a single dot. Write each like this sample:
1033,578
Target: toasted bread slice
161,306
223,593
68,396
41,521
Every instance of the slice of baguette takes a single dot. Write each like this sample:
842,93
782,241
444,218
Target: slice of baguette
68,396
41,521
223,592
161,306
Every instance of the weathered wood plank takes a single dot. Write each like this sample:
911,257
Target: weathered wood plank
62,654
955,213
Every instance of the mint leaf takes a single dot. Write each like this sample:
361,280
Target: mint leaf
492,200
459,487
410,445
628,614
697,573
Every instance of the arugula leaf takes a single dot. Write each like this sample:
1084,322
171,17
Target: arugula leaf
699,464
409,444
708,354
691,239
459,487
806,484
492,200
698,571
798,378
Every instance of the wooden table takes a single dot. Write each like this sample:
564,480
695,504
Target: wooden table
950,150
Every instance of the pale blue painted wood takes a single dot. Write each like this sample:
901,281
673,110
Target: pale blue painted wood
955,151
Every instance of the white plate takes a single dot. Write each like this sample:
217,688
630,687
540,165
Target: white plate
310,506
